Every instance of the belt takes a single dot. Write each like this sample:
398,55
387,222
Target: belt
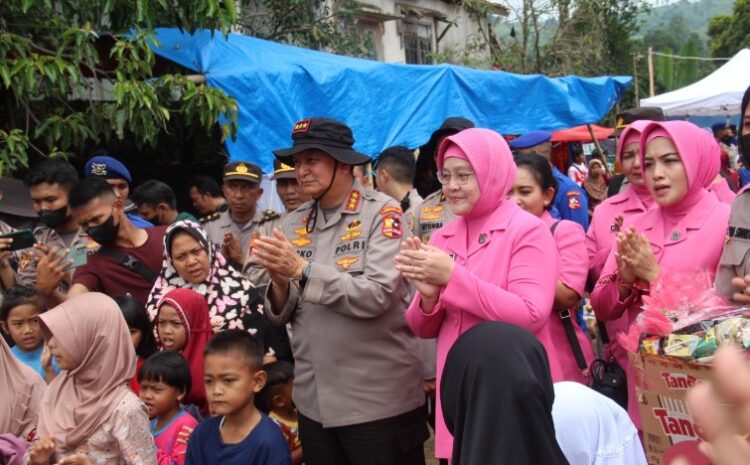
739,233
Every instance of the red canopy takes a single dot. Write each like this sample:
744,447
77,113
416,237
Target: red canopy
581,134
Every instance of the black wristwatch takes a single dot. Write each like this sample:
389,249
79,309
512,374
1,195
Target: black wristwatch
305,274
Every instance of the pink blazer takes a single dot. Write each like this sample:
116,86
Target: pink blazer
573,264
722,190
509,277
601,234
694,244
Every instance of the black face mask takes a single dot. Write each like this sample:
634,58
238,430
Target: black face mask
745,148
105,233
727,139
54,218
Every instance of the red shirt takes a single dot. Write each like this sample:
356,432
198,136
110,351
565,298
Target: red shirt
102,274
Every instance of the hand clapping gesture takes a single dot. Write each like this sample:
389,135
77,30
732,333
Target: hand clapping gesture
635,258
427,267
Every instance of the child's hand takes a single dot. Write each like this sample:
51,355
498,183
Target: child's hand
184,435
75,459
42,451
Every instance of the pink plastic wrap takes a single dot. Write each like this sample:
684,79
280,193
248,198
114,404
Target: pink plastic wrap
675,301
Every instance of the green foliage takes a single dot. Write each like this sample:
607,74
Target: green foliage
55,56
315,24
728,34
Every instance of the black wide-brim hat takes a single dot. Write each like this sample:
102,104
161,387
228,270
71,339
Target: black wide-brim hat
327,135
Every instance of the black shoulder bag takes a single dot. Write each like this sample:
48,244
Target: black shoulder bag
129,262
605,376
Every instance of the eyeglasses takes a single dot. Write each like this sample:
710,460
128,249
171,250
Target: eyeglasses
460,178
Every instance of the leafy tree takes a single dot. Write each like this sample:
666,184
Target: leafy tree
728,34
55,55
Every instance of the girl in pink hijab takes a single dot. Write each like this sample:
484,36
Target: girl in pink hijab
89,414
495,262
684,232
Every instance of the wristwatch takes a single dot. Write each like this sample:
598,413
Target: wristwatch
305,274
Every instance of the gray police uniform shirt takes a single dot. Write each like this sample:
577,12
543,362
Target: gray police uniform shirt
735,258
215,229
29,258
434,213
356,360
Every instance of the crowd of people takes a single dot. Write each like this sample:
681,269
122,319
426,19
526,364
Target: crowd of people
343,329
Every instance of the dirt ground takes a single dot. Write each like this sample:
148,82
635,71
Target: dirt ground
429,450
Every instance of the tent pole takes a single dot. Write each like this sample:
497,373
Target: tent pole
651,71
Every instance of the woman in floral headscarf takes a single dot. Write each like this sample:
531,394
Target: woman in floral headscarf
192,262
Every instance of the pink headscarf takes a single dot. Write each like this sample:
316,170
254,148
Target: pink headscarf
22,389
492,161
693,147
90,329
631,134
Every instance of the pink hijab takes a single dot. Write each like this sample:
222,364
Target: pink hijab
492,161
631,134
692,146
22,389
90,328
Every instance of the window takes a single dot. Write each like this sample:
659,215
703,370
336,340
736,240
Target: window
417,39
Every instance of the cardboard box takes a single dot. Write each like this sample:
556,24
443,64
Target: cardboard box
662,384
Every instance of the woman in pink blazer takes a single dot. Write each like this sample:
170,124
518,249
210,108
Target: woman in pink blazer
494,262
534,191
684,232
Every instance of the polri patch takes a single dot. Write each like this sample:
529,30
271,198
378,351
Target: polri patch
574,200
391,209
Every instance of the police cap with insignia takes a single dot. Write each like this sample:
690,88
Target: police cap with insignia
631,115
328,135
106,167
282,171
242,171
530,139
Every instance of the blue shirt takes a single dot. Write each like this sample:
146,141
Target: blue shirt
138,221
265,445
33,359
570,201
744,176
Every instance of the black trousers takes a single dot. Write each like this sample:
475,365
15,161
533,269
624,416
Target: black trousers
397,440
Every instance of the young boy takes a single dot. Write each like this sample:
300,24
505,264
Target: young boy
238,433
276,400
19,317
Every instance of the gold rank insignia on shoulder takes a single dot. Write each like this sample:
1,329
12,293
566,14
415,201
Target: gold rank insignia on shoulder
268,215
209,218
354,197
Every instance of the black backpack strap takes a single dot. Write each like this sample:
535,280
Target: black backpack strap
554,226
129,262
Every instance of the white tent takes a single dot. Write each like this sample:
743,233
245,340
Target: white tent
720,93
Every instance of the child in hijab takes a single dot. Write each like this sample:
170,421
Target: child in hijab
19,317
497,398
88,413
140,332
593,429
22,396
494,262
182,326
595,184
684,232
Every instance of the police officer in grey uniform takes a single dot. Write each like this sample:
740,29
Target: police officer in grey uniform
435,212
357,381
733,275
232,229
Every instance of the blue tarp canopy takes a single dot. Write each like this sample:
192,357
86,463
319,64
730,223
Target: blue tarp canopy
385,104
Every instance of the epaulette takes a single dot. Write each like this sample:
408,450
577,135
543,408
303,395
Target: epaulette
209,218
269,215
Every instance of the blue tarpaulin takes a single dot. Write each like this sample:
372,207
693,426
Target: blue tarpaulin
385,104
